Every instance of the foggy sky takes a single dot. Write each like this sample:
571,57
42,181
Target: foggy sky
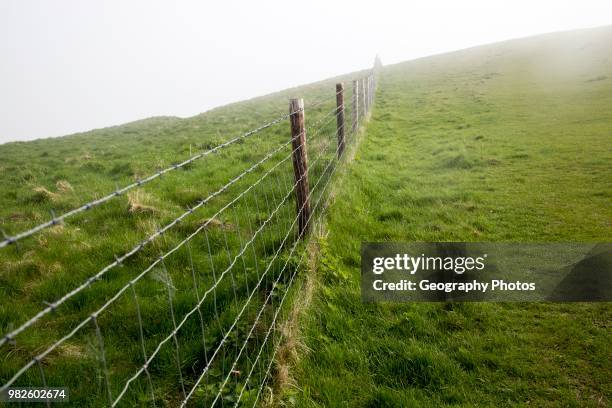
74,65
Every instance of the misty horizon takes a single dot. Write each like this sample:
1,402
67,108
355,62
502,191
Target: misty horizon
141,69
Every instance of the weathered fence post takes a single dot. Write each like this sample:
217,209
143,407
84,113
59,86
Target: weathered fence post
370,82
369,93
355,106
363,97
364,100
373,87
371,90
300,164
340,117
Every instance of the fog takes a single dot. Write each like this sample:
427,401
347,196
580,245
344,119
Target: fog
70,65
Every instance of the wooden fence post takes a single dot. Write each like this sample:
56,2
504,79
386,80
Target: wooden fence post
355,106
373,88
340,117
300,164
369,93
371,84
374,85
363,97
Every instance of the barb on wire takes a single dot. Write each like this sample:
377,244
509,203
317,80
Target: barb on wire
87,206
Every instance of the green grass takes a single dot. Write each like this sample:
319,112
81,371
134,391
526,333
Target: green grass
507,142
57,175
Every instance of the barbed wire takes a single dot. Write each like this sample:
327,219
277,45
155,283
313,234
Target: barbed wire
92,317
316,129
321,101
275,283
272,325
328,118
87,206
142,274
215,285
246,381
119,260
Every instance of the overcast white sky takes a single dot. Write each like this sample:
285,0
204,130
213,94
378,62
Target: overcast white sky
74,65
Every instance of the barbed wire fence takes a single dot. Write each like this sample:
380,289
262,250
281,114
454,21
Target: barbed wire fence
199,325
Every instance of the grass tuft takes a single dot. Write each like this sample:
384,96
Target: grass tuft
41,195
64,186
140,202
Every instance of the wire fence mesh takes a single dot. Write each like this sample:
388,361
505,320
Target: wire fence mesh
191,314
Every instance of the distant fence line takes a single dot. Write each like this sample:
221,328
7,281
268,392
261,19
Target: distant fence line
208,340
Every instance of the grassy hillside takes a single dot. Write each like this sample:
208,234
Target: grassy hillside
55,175
504,142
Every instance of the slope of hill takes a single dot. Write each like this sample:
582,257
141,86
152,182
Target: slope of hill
504,142
100,358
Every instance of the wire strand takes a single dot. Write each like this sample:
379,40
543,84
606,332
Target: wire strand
213,287
119,260
253,292
59,219
133,281
316,128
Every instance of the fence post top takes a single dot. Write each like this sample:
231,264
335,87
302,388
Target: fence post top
296,105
